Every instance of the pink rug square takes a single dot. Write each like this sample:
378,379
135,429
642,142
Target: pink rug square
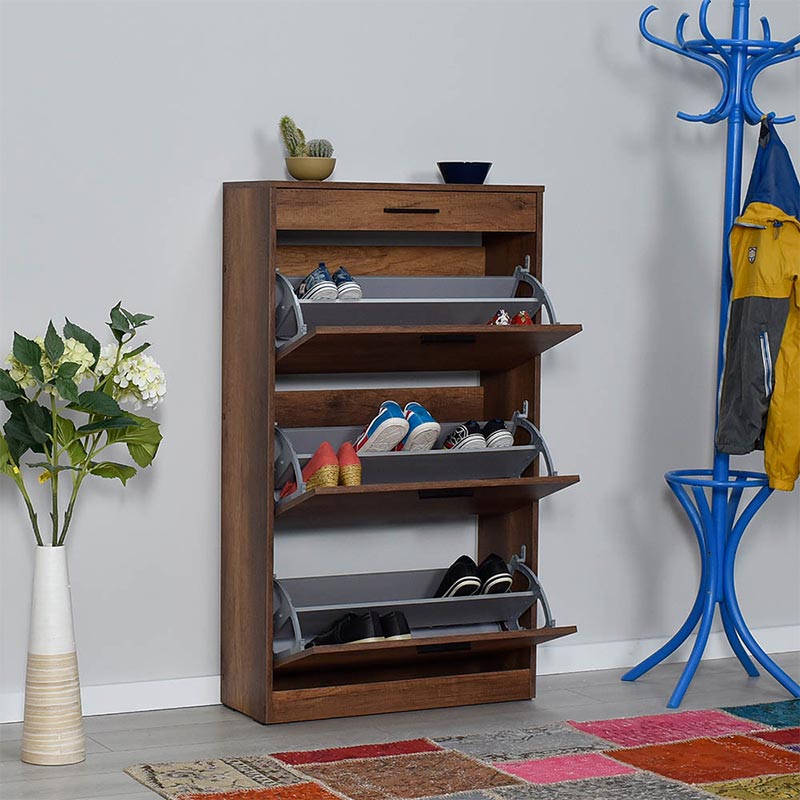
661,728
565,768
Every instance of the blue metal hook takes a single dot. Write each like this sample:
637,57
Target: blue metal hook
708,35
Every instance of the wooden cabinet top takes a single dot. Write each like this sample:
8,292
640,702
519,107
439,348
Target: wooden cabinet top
382,187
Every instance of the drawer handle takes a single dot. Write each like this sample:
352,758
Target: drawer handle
447,338
438,494
410,210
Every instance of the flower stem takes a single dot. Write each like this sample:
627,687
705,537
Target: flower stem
54,472
18,479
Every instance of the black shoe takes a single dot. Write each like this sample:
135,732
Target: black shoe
395,626
494,575
496,434
466,437
460,580
351,628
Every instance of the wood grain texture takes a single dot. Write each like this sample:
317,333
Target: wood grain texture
343,186
401,502
247,385
299,409
421,348
410,695
406,210
382,260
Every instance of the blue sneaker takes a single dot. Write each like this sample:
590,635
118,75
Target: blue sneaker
423,429
318,285
385,431
347,288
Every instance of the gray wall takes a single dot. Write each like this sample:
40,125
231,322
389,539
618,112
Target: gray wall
121,120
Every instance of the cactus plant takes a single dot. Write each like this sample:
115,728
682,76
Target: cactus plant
319,148
293,137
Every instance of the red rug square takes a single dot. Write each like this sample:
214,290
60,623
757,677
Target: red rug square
659,728
783,736
362,751
298,791
711,760
565,768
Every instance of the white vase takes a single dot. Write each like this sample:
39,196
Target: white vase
52,732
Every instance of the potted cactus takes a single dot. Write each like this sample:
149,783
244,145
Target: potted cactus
306,161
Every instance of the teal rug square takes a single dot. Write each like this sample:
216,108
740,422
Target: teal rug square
785,714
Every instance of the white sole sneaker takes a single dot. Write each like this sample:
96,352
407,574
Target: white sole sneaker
500,439
350,291
474,441
386,436
423,437
322,291
471,583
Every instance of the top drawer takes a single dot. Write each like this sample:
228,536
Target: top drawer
381,210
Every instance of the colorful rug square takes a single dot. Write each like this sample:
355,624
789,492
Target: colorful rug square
661,728
785,714
783,736
362,751
219,775
711,760
407,776
519,745
765,787
298,791
565,768
638,786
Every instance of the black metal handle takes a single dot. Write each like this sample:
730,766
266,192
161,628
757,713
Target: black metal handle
443,648
436,494
410,210
447,338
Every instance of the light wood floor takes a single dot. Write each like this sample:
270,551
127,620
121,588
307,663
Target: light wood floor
119,740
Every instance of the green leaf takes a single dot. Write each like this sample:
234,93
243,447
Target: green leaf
18,434
136,352
72,331
66,438
97,403
110,469
26,351
39,422
50,468
36,371
53,345
142,442
119,324
106,425
67,389
6,462
141,319
8,387
68,369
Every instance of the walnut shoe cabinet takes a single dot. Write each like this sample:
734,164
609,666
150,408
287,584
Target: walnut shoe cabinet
432,259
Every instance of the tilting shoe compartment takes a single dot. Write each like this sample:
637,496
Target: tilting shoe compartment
295,446
305,607
410,301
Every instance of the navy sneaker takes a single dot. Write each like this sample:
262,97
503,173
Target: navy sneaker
460,580
385,431
466,437
346,287
494,575
496,434
423,429
318,285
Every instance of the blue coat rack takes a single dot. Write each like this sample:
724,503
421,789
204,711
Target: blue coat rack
720,525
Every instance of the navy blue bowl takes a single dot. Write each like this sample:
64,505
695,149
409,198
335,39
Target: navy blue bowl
464,171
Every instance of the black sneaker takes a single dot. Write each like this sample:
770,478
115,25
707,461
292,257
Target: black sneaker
496,434
465,437
494,575
395,626
460,580
351,628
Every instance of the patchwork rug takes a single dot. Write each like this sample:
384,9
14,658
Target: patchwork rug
743,752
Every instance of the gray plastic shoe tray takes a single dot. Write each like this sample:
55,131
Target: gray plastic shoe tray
411,301
318,602
421,466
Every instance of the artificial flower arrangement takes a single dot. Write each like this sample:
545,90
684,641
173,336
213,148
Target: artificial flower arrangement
50,383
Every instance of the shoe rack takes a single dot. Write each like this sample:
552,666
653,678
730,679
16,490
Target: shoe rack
435,262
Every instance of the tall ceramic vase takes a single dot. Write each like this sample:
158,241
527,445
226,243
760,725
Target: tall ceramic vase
53,729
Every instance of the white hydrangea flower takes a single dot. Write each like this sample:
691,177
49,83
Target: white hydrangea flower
75,352
139,380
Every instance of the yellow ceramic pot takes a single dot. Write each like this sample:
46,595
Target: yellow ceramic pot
308,168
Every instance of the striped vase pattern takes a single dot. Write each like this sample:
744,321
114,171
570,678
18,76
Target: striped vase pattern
52,732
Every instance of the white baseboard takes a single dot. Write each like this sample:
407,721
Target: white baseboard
555,657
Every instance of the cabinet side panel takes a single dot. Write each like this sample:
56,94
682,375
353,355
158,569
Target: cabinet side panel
247,383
